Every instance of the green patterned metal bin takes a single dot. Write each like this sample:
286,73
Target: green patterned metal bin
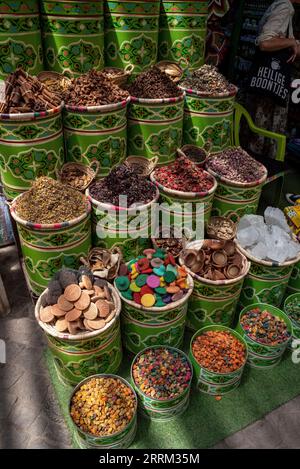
131,34
294,283
73,35
263,356
182,31
233,199
144,327
214,302
47,248
208,120
295,298
155,127
128,229
31,145
191,210
120,440
77,356
96,133
20,37
210,382
162,409
266,282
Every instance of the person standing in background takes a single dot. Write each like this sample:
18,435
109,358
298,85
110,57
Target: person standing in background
275,36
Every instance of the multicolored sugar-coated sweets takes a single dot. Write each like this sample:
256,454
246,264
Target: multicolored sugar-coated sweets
264,327
162,373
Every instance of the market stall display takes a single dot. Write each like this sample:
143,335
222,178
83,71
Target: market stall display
154,292
79,314
218,270
73,35
54,228
208,109
162,379
267,332
95,124
20,37
218,355
292,310
155,116
182,31
240,182
114,403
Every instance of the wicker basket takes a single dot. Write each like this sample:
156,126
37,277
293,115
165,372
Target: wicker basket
97,253
202,161
55,76
172,69
119,76
90,171
143,166
211,231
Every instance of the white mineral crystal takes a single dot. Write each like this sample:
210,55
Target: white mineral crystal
248,237
259,250
250,220
275,216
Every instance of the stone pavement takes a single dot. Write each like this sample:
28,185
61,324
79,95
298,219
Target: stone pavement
29,413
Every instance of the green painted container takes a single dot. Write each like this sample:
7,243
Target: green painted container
144,327
263,356
266,282
31,145
182,31
20,37
162,409
120,440
77,356
189,210
73,35
210,382
208,120
294,283
295,324
96,133
131,34
234,200
214,302
155,127
47,248
128,229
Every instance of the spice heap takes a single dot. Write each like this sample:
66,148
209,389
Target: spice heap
93,89
77,302
153,279
219,351
221,228
103,406
171,69
264,327
105,262
49,201
25,93
236,165
216,260
208,80
195,154
292,309
183,175
172,245
267,237
76,177
162,373
154,84
123,181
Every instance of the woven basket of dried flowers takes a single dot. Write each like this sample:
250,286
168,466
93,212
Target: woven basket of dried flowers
118,76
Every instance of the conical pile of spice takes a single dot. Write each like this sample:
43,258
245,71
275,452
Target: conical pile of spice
154,84
208,80
183,175
49,201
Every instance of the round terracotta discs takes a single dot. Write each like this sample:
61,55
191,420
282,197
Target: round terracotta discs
103,309
46,314
107,292
64,304
91,312
72,292
110,317
73,315
99,291
83,302
96,324
86,281
57,311
87,327
61,325
90,292
73,327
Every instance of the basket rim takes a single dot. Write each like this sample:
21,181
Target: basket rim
182,194
156,309
104,375
266,263
175,99
198,244
219,327
202,94
83,335
26,116
101,108
139,391
48,226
